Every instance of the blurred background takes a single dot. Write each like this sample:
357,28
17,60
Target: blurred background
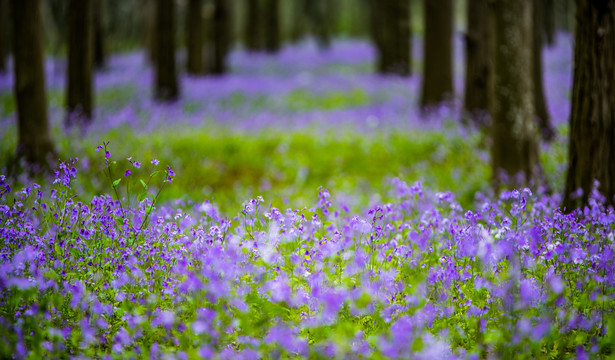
269,97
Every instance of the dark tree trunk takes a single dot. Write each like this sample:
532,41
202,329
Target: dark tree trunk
592,118
4,34
437,63
221,35
194,37
547,8
271,25
34,141
253,30
321,18
540,103
476,96
151,39
514,152
99,34
299,20
166,75
80,61
390,25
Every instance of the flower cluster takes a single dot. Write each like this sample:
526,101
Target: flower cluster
418,277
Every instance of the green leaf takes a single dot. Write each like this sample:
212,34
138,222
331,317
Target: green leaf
56,248
143,183
117,182
141,196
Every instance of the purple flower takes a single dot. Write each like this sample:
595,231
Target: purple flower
155,162
127,173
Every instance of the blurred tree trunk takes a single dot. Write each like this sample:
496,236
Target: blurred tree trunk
390,25
476,94
221,35
34,141
321,16
80,61
540,104
99,34
514,153
547,10
151,42
4,34
194,37
271,25
437,63
166,75
253,29
592,117
299,20
564,15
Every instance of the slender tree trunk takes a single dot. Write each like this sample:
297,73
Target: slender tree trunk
321,15
4,34
167,88
80,61
99,34
194,37
253,29
592,117
271,25
34,140
547,9
151,39
514,152
437,64
540,103
390,25
221,34
476,103
299,20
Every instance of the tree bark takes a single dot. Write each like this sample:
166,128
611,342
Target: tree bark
540,103
592,117
4,34
151,39
271,25
221,36
166,76
253,30
34,142
80,61
476,94
390,25
514,153
299,20
99,35
194,37
321,18
547,9
437,63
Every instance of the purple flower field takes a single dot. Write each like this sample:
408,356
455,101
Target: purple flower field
414,274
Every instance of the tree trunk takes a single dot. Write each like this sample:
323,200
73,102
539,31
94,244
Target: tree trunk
271,25
4,34
299,20
194,37
547,9
166,75
592,117
151,40
221,35
540,104
391,33
321,18
437,63
476,96
80,61
99,35
34,141
253,30
514,152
